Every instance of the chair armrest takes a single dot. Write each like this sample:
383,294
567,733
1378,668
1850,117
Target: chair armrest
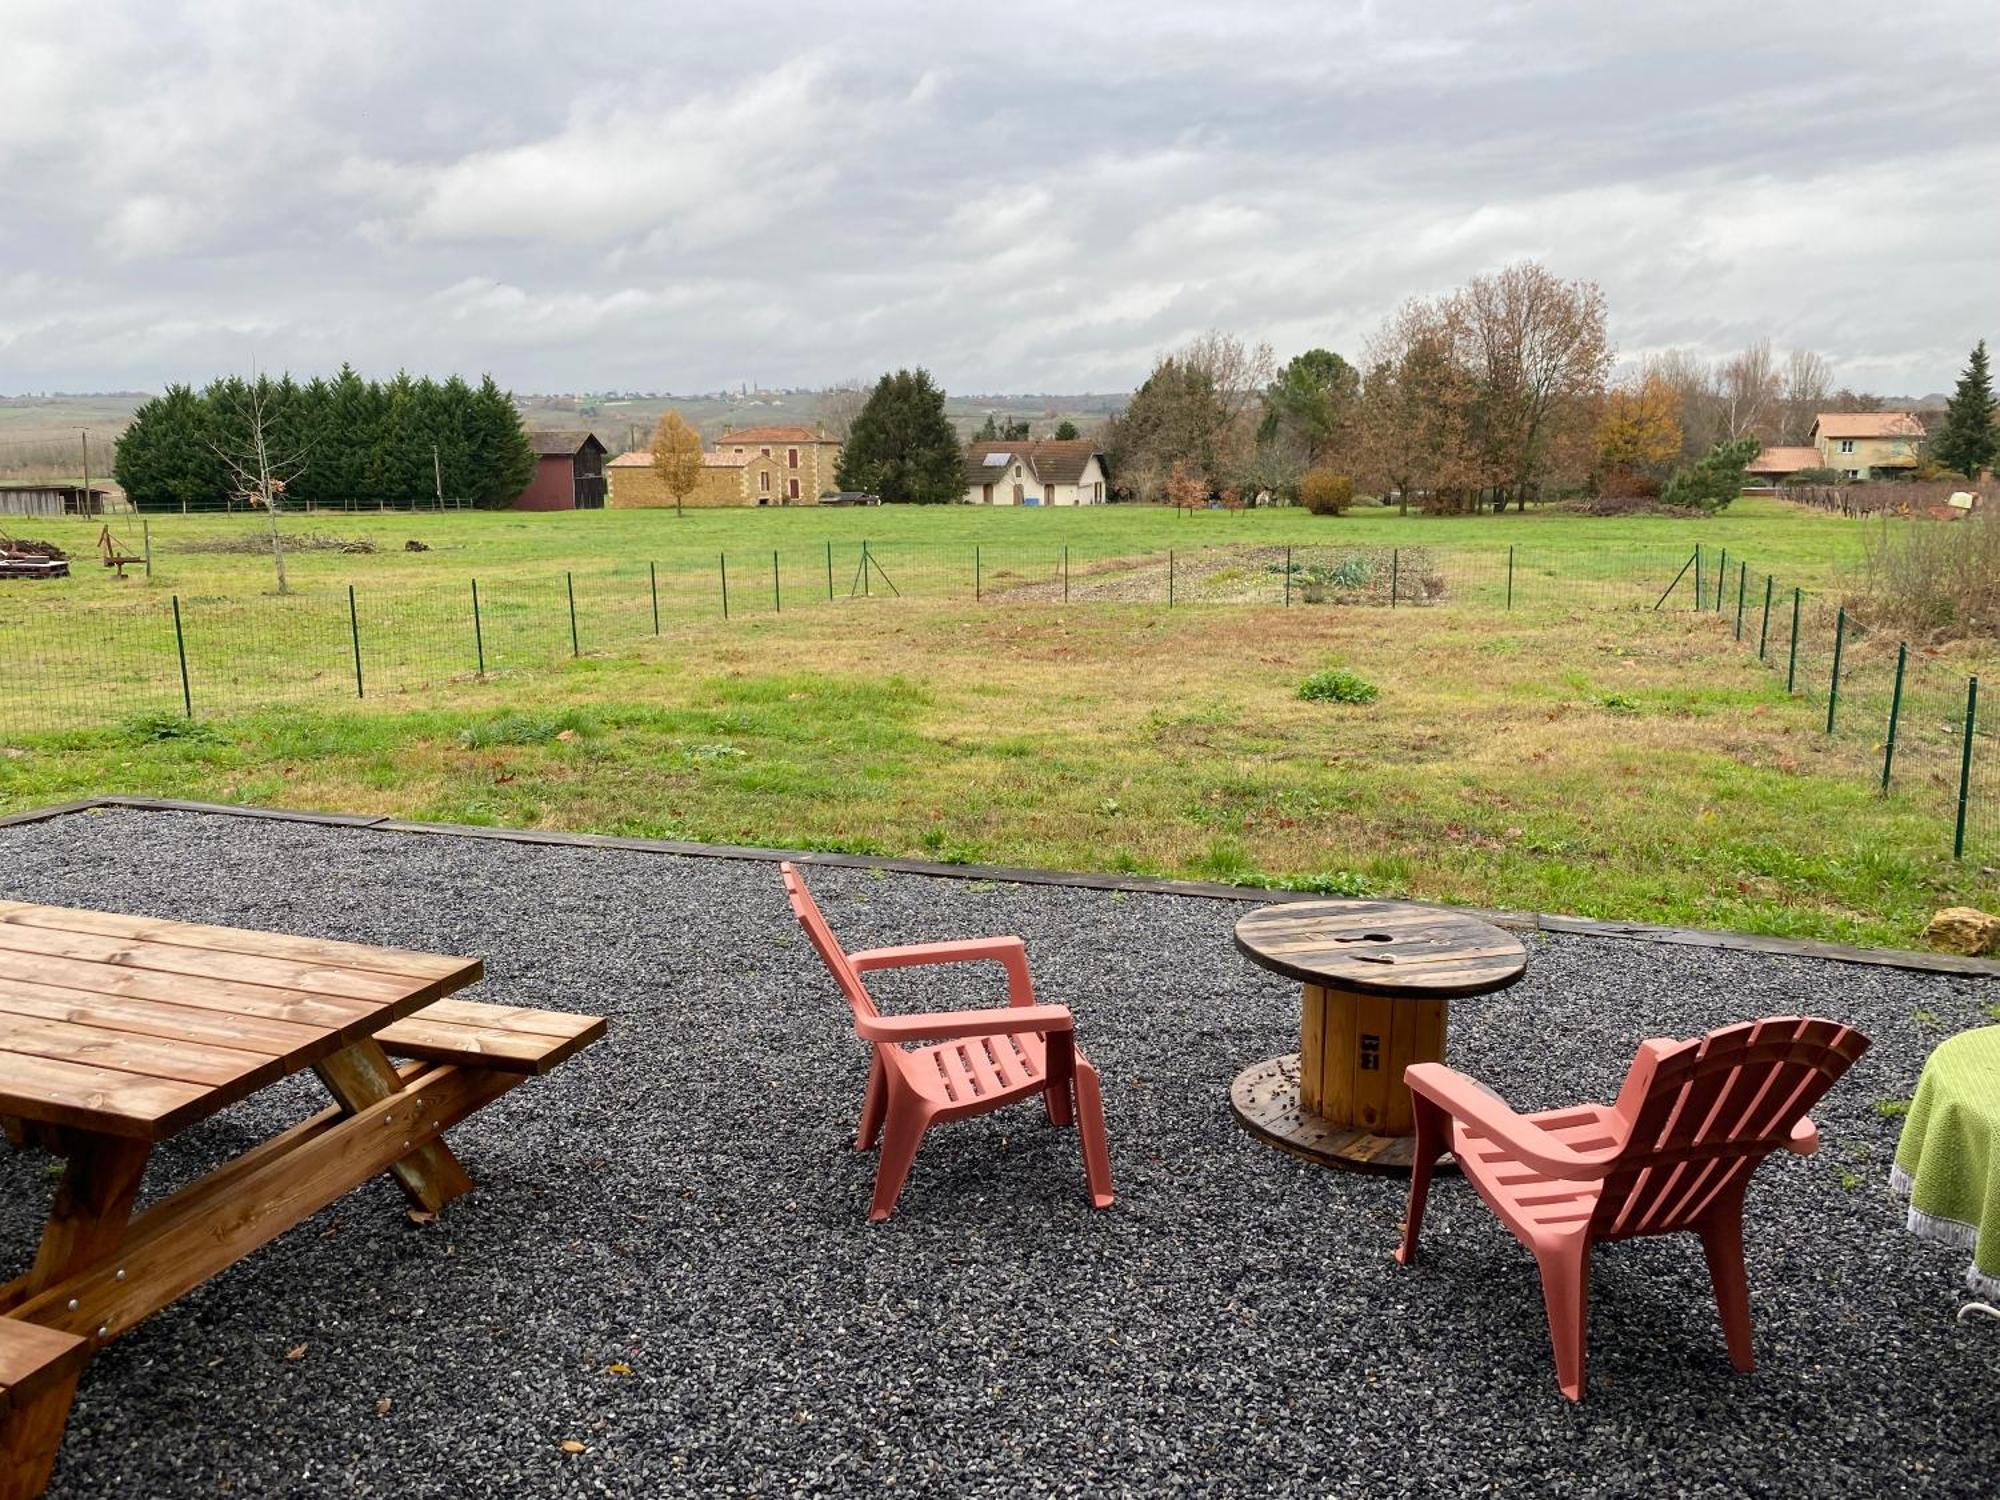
1486,1112
1009,952
1805,1138
957,1025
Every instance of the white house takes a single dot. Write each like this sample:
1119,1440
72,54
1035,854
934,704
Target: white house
1048,472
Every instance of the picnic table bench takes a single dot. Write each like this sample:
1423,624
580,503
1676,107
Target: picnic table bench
118,1032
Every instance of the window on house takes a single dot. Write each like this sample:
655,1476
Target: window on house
1017,471
1847,445
792,489
1850,473
791,458
764,480
765,451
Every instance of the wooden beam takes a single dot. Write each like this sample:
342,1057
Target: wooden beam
92,1208
208,1227
362,1076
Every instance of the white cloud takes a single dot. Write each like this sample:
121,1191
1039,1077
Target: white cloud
1031,198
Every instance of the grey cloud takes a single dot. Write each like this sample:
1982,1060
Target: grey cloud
1029,197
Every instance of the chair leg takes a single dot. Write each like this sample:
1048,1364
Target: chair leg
1060,1061
1090,1130
874,1105
1433,1128
1722,1245
907,1122
1565,1267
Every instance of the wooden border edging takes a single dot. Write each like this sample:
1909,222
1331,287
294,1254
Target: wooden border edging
1522,921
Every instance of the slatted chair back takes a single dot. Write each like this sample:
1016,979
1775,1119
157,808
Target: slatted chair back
1704,1113
830,951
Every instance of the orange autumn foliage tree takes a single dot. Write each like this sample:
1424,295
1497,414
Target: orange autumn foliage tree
1639,433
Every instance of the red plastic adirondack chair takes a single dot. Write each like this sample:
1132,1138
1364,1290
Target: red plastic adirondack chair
975,1060
1676,1151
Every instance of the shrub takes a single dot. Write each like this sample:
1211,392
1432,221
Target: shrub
1812,476
1324,492
1338,685
1936,578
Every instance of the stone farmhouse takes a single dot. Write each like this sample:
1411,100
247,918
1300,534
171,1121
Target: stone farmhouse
747,466
1048,472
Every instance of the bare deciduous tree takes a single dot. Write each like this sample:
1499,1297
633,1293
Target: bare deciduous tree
839,404
1808,382
1750,391
1414,420
258,472
1536,346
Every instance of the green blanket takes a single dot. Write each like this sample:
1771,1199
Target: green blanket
1948,1161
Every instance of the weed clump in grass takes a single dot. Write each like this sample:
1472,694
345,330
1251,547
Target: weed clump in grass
1330,883
149,728
1338,685
516,728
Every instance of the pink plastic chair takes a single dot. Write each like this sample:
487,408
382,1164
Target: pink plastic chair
1676,1151
975,1061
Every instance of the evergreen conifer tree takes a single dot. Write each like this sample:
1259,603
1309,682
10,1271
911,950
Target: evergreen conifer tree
1967,442
902,446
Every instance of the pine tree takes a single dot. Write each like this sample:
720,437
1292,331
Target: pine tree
903,447
1967,442
1066,431
163,462
502,461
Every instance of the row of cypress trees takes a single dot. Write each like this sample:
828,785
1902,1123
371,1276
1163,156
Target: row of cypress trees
343,442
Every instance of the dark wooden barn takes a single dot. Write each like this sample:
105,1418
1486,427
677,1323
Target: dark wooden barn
569,472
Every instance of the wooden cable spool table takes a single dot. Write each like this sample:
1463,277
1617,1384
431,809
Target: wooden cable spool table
1378,977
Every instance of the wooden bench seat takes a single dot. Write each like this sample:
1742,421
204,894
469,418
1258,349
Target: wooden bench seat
38,1372
505,1038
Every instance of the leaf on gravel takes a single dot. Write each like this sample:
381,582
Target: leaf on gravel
571,1445
421,1215
296,1353
621,1368
384,1407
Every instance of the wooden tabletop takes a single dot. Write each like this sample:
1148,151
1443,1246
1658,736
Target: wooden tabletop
1382,948
135,1027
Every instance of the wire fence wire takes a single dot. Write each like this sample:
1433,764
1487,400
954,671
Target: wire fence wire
147,657
1921,713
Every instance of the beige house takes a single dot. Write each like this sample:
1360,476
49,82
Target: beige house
745,466
1867,444
1049,472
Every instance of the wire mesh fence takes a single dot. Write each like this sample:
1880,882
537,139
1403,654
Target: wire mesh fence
1917,709
193,655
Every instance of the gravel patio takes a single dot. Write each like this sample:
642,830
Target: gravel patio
667,1259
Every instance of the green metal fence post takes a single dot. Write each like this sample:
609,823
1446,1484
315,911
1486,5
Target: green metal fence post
1833,682
1065,572
1895,712
777,593
354,628
1721,572
146,531
1170,578
1764,631
653,582
1288,578
1395,574
1510,575
1742,586
866,582
1699,601
180,647
975,571
722,570
575,645
478,631
829,571
1965,765
1792,669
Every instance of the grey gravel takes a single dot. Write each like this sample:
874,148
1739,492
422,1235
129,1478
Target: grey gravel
683,1200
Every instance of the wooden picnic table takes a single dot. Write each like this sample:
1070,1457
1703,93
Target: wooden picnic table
117,1032
1377,977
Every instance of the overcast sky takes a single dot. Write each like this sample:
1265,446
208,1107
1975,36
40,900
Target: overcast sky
1023,197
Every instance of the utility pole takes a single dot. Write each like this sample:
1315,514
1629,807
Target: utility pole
437,475
83,501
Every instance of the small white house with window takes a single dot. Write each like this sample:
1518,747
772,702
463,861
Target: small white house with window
1049,472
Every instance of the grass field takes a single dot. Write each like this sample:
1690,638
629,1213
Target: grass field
1578,753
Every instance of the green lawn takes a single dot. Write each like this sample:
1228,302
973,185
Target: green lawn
1578,752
